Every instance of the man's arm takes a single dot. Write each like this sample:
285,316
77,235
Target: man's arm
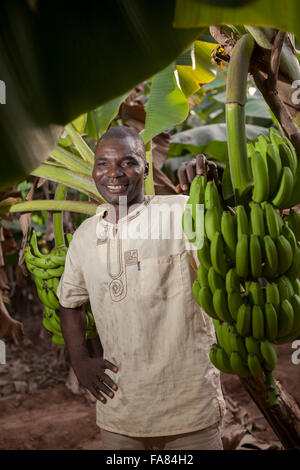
90,371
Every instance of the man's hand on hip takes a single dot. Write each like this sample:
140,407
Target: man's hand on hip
91,375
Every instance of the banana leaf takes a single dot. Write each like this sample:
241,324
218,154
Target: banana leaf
192,76
210,139
272,13
60,59
166,106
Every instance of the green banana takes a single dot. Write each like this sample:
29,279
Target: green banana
218,330
288,338
235,300
223,361
289,235
34,246
188,225
284,192
294,270
232,280
202,275
253,346
59,340
285,288
275,137
242,222
274,167
226,328
285,319
212,222
288,158
44,262
257,219
204,254
255,256
261,144
217,254
197,192
261,187
45,274
269,355
293,221
256,294
228,230
296,286
215,281
206,302
196,291
238,366
212,355
271,262
243,321
272,220
242,256
237,344
212,197
295,301
285,254
258,329
254,365
220,305
271,322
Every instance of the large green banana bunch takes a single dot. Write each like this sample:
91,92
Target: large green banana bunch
247,279
47,270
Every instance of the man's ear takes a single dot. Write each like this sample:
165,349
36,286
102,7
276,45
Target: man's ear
146,172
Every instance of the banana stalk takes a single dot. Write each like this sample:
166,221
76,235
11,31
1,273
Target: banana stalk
236,98
60,193
52,205
149,184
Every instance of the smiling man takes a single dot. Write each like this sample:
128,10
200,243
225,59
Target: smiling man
149,369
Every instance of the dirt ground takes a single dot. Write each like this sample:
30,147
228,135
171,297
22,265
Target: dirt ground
38,411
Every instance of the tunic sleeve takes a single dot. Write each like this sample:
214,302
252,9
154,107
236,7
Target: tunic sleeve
72,291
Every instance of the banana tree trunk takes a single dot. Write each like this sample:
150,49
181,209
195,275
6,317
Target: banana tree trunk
284,417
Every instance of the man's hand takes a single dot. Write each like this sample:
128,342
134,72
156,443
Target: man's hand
90,373
197,166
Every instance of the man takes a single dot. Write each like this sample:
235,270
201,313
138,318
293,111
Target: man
154,383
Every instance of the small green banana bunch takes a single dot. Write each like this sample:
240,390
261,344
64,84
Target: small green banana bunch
47,270
275,170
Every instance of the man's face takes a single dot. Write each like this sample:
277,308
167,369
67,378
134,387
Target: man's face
119,170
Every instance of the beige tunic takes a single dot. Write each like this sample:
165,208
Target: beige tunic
138,276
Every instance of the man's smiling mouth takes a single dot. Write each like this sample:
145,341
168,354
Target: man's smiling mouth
117,187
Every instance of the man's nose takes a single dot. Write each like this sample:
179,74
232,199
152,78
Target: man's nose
114,171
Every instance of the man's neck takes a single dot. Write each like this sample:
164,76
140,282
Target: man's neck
117,211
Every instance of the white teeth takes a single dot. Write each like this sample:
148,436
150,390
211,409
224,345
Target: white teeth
116,187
